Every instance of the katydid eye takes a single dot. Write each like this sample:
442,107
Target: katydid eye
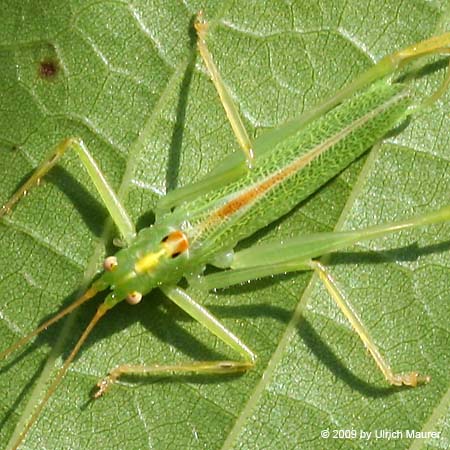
110,264
175,243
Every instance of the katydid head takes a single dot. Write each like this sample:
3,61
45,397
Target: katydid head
155,258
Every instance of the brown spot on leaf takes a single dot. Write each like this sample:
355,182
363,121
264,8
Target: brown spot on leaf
48,69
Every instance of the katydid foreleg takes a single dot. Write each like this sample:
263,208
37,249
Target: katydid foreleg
107,194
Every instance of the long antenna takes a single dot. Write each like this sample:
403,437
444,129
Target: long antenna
91,292
98,315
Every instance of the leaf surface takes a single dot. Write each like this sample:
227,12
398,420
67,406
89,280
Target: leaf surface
123,76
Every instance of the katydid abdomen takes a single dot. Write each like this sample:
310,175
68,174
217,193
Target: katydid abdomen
293,170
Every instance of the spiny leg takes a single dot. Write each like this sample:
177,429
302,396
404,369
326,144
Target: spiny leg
201,26
107,194
204,317
395,379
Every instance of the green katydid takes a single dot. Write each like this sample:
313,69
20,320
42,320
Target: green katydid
201,223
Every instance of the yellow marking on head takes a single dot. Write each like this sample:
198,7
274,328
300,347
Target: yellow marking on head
149,261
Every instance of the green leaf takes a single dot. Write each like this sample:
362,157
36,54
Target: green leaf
122,76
